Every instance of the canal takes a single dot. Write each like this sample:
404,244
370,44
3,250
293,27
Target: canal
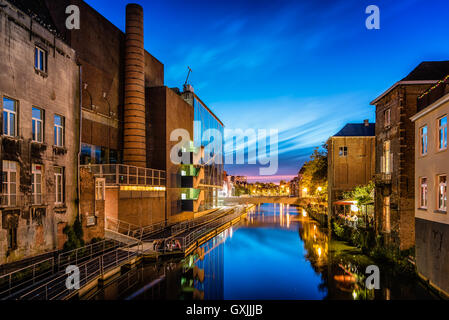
275,253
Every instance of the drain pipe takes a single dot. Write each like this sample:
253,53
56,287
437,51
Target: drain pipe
80,75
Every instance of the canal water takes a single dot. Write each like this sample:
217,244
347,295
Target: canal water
277,252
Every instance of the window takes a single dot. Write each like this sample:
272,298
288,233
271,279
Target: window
99,189
423,193
9,117
38,124
442,133
59,185
343,152
40,59
59,130
386,212
442,193
36,183
9,182
387,117
386,158
12,238
423,134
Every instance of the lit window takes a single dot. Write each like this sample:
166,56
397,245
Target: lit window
38,124
423,134
40,59
423,193
9,117
442,133
442,193
99,189
343,151
59,185
59,130
387,117
36,183
9,183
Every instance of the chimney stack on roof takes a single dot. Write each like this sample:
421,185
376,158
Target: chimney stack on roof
366,122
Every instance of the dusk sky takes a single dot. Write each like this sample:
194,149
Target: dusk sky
303,67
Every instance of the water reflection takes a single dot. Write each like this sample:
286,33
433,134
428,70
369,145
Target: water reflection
277,252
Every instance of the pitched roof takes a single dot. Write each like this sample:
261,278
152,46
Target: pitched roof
429,70
356,130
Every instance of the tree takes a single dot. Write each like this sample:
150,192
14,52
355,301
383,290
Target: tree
315,171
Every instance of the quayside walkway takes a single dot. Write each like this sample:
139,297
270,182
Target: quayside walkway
46,280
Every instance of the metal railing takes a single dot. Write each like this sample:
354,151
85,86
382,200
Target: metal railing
25,277
189,224
183,242
189,239
79,255
57,289
132,230
127,175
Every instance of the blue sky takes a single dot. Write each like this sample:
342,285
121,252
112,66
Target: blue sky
303,67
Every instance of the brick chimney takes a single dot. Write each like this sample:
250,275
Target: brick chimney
366,122
134,147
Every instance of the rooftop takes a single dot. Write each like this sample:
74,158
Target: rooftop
429,70
356,130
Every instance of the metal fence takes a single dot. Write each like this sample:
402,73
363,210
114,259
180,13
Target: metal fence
132,230
79,255
25,277
183,242
127,175
57,288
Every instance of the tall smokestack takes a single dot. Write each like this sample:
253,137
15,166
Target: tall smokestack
134,148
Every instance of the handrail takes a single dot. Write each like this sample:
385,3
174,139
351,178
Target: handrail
127,175
15,279
80,254
132,230
56,288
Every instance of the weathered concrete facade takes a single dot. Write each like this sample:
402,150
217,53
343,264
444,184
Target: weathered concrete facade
33,220
104,51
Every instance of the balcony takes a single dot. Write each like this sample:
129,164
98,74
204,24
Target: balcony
120,174
433,94
383,178
189,170
190,194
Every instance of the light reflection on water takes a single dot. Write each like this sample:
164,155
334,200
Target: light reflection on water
275,253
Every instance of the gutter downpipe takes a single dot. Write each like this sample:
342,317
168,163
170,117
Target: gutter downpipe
80,84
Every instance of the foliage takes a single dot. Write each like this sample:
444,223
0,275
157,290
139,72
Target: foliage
315,172
363,194
74,235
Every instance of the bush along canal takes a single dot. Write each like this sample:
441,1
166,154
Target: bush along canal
277,252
